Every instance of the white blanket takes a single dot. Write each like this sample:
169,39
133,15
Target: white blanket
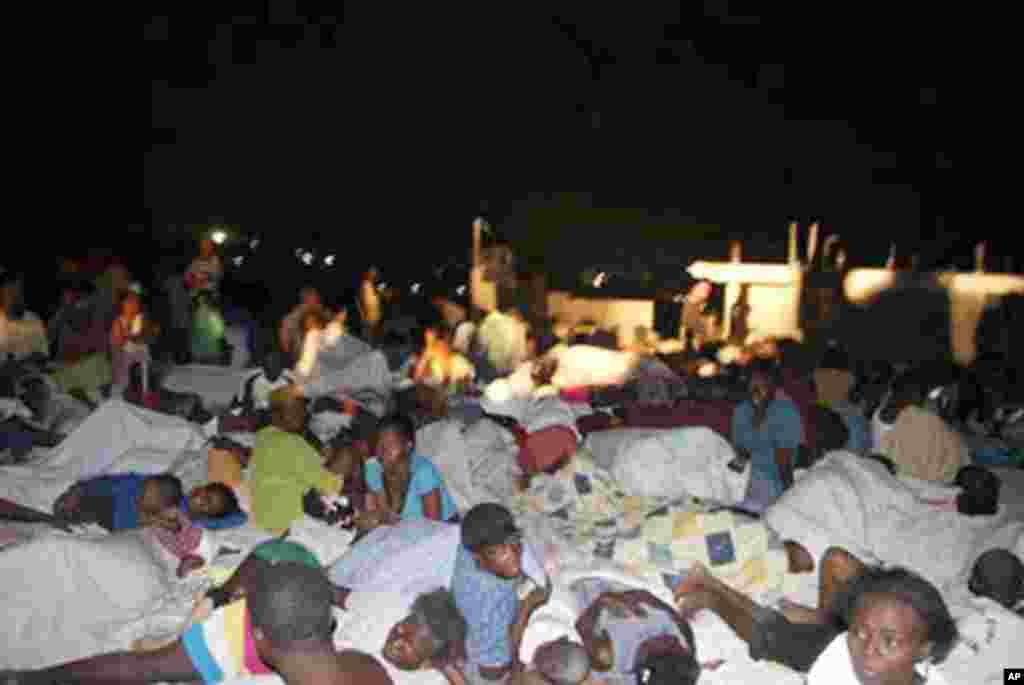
116,438
855,503
65,597
478,461
216,385
670,463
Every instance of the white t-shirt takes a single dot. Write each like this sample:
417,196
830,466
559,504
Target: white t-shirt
834,667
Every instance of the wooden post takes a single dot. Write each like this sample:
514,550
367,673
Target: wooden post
793,257
732,290
474,271
812,244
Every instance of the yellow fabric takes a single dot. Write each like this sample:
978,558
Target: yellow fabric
283,468
923,446
89,373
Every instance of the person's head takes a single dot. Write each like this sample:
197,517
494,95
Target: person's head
979,491
432,628
562,662
159,495
71,293
314,320
287,410
310,297
701,291
395,441
273,366
345,460
212,500
290,608
999,575
668,668
131,305
372,274
490,533
906,389
896,619
764,381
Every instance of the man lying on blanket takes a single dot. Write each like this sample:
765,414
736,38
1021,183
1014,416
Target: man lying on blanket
283,624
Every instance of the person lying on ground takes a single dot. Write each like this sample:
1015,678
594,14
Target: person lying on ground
629,631
561,661
795,635
283,624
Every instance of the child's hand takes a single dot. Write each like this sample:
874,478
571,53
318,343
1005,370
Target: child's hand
189,564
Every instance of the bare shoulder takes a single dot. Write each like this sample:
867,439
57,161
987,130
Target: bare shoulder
362,668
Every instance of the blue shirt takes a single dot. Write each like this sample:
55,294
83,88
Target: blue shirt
859,429
490,606
124,490
781,429
424,480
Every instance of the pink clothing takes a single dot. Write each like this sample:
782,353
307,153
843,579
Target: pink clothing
185,542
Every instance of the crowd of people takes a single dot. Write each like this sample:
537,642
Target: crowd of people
473,579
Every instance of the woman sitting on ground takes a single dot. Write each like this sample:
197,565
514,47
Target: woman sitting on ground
402,484
769,430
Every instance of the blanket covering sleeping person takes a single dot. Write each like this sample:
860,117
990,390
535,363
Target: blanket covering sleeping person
855,503
923,446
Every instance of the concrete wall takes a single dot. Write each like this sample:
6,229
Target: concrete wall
774,308
624,314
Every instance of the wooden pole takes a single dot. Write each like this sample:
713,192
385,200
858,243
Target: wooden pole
732,289
812,244
474,296
793,257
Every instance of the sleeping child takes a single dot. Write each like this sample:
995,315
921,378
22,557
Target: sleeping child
132,500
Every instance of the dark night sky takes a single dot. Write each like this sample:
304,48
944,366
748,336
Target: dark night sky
378,120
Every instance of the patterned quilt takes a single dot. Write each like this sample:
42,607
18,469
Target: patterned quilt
648,536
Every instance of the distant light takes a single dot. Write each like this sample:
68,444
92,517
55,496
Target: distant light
254,243
307,258
600,279
238,260
461,290
219,237
415,288
329,260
